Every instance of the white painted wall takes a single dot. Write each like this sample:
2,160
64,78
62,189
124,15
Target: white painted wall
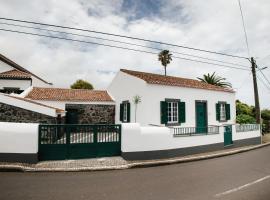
4,67
38,83
27,105
125,87
136,138
22,84
18,137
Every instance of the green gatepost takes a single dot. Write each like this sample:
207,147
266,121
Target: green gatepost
228,135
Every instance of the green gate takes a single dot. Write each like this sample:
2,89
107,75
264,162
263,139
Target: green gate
73,141
228,135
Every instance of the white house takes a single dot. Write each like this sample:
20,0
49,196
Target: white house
15,79
171,101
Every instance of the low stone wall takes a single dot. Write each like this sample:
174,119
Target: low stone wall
93,113
10,113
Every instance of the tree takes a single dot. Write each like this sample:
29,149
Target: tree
81,84
245,119
213,79
165,57
136,101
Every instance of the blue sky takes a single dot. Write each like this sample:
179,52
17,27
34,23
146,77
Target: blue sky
215,25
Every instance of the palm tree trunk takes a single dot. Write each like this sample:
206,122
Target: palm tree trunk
165,70
135,112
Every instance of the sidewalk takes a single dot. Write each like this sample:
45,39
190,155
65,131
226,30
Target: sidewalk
113,163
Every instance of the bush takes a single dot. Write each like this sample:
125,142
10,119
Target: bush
245,119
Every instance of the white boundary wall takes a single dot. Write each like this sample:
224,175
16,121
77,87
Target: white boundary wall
18,137
136,138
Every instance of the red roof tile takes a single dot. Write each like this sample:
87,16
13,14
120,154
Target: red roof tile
61,94
15,74
174,81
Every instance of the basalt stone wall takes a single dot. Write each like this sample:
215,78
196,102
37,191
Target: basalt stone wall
10,113
94,114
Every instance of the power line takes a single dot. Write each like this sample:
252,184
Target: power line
119,47
264,76
244,27
264,83
122,36
128,43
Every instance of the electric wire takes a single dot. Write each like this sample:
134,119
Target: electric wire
117,41
119,47
122,36
244,27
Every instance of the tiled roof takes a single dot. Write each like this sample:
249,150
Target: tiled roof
58,110
20,68
61,94
174,81
15,74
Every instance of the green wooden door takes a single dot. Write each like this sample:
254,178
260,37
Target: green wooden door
228,135
201,117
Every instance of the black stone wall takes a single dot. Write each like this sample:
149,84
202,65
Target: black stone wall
94,114
10,113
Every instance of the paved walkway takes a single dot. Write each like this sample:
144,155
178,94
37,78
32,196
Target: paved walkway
112,163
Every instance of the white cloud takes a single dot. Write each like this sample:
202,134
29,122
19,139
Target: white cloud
213,24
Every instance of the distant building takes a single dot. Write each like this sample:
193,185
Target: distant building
15,79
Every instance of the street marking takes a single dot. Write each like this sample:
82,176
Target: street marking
242,187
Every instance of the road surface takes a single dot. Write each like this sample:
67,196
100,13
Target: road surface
241,176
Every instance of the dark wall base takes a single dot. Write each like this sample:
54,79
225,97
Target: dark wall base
19,157
148,155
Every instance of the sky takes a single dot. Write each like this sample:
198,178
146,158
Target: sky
206,24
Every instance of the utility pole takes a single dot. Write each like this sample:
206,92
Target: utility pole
256,95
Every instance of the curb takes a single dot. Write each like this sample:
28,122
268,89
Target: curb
22,168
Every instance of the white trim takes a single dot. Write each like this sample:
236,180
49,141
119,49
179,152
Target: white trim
27,105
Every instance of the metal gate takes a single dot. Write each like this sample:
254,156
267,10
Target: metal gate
74,141
228,135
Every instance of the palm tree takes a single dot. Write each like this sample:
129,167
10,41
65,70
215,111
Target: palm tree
136,101
165,57
213,79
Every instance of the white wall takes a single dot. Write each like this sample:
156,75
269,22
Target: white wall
27,105
125,87
18,137
5,67
38,83
22,84
136,138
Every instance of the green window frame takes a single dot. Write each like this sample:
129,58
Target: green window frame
172,112
223,112
125,112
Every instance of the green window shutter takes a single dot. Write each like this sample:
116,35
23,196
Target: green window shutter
163,112
218,111
228,111
181,112
128,112
121,112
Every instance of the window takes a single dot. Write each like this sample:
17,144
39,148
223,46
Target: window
9,90
172,112
125,113
222,112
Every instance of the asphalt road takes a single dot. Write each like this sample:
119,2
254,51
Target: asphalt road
241,176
